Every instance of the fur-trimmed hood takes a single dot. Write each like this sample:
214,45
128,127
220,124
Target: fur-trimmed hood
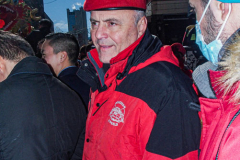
231,64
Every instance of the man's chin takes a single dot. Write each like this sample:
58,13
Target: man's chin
105,57
104,60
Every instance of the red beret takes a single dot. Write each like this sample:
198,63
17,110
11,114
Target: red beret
90,5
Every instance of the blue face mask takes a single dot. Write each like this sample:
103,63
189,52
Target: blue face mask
211,50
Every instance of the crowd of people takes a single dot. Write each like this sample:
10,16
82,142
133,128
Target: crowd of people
130,97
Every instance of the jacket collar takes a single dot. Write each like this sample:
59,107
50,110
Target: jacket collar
147,47
229,99
140,51
68,71
214,77
98,65
230,40
127,52
30,65
227,80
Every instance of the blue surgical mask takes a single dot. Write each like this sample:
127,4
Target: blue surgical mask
211,50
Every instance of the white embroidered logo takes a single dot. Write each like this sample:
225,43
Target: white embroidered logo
117,114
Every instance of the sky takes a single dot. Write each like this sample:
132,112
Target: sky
57,11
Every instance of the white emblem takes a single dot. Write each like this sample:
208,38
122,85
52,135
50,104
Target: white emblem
117,114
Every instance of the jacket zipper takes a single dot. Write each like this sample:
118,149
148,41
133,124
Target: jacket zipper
99,107
234,117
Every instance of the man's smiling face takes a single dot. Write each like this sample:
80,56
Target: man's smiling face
112,32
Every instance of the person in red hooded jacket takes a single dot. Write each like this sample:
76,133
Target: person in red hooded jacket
218,36
139,105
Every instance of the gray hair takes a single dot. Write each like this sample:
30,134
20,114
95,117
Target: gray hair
139,14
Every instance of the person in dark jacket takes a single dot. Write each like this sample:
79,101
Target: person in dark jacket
40,117
140,99
84,50
61,51
36,35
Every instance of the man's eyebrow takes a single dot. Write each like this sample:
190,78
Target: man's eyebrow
106,20
111,19
93,20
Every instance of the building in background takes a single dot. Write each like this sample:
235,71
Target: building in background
168,19
77,25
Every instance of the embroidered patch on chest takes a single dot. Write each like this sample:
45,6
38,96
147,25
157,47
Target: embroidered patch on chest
117,114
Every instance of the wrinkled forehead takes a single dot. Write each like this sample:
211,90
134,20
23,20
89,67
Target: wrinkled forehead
116,13
120,16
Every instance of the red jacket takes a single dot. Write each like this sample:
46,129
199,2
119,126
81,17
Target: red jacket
220,119
140,110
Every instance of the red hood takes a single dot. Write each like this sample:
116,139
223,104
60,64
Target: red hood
218,87
165,54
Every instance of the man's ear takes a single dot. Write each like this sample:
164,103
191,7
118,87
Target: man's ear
224,7
2,64
6,67
63,56
142,26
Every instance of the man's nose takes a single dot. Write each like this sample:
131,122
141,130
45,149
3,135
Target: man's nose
101,32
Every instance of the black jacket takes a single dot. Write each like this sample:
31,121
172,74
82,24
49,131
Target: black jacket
40,117
68,76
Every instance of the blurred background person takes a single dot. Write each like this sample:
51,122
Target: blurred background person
39,48
61,51
84,50
36,35
40,117
193,56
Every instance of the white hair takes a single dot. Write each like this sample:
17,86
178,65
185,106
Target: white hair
139,14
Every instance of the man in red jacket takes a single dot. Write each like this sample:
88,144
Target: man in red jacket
139,106
218,37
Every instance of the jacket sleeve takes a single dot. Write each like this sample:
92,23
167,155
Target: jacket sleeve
230,145
176,130
79,148
78,153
